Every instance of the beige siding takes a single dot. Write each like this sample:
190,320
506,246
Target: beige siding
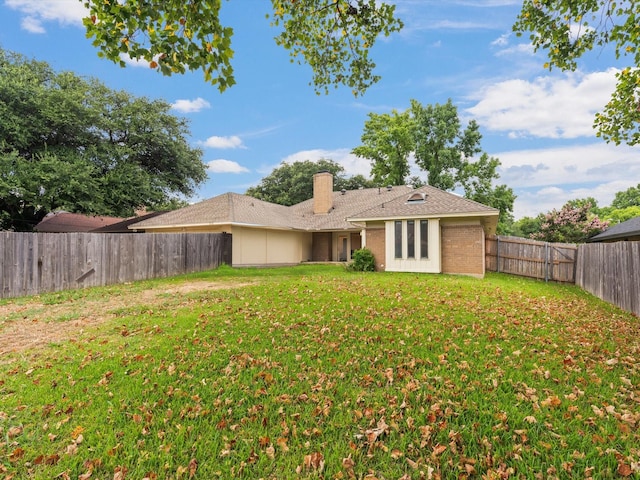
253,246
463,248
406,264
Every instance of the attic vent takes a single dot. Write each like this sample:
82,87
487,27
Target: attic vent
417,197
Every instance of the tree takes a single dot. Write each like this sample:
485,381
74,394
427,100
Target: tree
433,135
442,149
292,183
332,36
627,198
387,142
570,224
567,29
73,144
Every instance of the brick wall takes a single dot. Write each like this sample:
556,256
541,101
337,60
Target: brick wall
321,247
463,249
376,243
322,192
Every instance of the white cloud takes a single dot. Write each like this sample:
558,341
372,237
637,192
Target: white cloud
352,164
190,106
223,142
32,25
38,12
225,166
547,178
547,107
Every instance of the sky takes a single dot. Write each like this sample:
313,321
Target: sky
537,122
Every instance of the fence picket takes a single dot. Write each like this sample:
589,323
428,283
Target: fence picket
33,263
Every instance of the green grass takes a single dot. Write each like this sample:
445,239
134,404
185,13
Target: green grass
316,372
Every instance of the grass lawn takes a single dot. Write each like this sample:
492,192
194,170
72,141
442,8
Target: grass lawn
316,372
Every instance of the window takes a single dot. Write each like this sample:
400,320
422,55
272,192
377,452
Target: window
424,238
398,239
411,235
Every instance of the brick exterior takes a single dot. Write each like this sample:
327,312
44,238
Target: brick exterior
375,238
322,192
321,247
463,249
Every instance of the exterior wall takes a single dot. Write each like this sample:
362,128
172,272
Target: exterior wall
374,240
321,247
257,247
356,242
405,264
463,248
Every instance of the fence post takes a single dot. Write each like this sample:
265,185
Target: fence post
546,261
498,254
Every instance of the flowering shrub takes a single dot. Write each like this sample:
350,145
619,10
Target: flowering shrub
570,224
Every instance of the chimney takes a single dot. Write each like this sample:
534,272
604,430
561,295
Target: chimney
322,192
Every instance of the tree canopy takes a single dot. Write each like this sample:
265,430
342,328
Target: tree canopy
567,29
333,37
434,137
292,183
72,143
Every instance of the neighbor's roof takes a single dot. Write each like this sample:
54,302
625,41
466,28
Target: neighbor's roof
65,222
348,206
123,226
621,230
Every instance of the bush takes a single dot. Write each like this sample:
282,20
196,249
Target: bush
362,261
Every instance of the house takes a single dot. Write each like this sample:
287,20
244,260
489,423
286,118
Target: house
622,232
412,230
65,222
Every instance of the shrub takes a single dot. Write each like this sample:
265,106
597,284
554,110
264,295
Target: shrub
362,261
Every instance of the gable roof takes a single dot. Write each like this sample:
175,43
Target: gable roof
621,230
348,207
65,222
225,209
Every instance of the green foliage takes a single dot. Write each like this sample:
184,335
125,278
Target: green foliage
292,183
434,135
362,261
332,36
73,144
526,227
387,141
627,198
567,29
619,215
314,372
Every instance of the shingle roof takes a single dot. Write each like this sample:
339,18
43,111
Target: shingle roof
625,229
228,208
436,203
370,203
65,222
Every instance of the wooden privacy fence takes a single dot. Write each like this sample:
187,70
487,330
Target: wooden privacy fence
32,263
531,258
611,271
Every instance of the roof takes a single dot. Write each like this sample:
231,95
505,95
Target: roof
621,230
123,226
65,222
228,208
348,207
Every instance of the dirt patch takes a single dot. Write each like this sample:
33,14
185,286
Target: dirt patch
26,326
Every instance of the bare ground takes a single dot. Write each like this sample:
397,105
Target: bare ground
26,326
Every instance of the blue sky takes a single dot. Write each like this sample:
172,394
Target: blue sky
537,123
